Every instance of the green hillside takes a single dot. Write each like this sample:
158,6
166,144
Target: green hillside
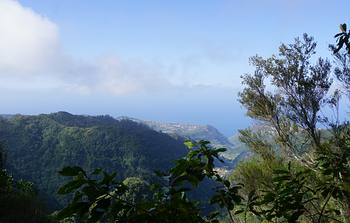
38,146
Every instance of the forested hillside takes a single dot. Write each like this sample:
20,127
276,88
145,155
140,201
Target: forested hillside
38,146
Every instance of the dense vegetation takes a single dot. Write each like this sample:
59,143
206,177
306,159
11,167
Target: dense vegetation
38,146
18,199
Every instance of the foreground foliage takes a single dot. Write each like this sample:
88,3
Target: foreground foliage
18,199
306,175
103,197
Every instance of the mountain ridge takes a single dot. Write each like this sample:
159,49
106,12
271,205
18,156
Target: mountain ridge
174,129
38,146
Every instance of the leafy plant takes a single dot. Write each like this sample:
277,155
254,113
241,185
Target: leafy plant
102,197
19,201
286,95
342,39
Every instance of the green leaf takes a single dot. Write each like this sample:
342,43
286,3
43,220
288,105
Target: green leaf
70,186
280,171
97,171
74,208
342,27
71,171
221,150
108,178
268,198
239,211
91,191
189,144
339,34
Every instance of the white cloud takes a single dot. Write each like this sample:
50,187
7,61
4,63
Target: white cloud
31,58
29,42
119,76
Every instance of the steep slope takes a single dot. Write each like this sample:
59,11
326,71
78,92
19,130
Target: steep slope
38,146
196,132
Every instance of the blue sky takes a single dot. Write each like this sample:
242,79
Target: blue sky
177,61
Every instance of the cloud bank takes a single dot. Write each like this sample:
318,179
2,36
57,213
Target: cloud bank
31,57
29,43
